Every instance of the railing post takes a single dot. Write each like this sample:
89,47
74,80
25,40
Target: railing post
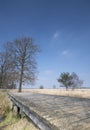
13,106
18,111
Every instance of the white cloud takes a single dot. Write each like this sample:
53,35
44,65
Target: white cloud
56,35
48,72
66,53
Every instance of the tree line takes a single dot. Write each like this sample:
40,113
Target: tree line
18,63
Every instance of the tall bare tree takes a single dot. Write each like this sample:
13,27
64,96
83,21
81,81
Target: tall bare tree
24,52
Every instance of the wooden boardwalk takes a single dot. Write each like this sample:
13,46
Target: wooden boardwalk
51,112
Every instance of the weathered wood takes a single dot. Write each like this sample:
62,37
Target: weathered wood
13,106
54,112
39,121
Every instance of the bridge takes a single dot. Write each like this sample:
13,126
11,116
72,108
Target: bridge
54,112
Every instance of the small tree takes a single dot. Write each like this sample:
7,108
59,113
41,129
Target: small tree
54,86
76,82
65,79
70,80
41,87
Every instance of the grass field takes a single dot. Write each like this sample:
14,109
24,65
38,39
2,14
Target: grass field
84,93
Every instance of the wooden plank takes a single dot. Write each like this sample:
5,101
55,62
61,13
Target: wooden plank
39,121
51,112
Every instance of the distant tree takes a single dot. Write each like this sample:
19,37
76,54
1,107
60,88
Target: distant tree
24,52
54,86
70,80
65,79
41,87
76,82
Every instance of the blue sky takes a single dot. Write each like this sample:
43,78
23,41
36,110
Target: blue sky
60,27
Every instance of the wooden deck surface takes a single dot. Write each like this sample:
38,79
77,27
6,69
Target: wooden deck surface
65,113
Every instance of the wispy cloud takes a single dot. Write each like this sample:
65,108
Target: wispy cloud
66,53
56,35
48,72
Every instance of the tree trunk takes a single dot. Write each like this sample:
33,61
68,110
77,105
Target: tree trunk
1,78
66,88
21,79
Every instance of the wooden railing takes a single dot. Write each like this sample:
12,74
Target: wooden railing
41,123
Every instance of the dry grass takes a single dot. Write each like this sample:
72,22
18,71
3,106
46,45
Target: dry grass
22,124
84,93
4,103
11,121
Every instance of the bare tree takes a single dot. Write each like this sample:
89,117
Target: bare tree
76,81
6,70
24,52
54,86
